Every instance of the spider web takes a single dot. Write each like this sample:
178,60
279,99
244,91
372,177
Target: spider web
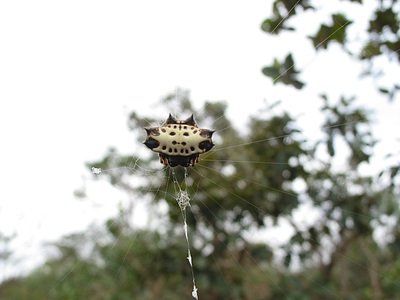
183,200
184,197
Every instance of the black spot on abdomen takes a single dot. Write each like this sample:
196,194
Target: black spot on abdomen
151,143
206,145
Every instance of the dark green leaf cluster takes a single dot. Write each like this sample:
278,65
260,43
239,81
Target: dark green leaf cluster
284,72
380,39
336,31
353,129
281,10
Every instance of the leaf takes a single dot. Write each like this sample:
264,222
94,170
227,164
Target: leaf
394,47
394,171
272,72
261,252
386,18
282,11
384,90
298,84
330,147
370,50
390,92
287,260
289,62
275,25
284,72
291,6
334,32
326,230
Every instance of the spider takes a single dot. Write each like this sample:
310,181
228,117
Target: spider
179,142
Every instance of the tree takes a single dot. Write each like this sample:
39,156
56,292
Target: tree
355,202
377,46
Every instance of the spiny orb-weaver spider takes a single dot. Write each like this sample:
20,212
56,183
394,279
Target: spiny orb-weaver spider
179,142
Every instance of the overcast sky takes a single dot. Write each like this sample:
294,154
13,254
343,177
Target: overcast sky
70,71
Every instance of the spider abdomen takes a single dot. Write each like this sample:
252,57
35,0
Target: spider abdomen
179,142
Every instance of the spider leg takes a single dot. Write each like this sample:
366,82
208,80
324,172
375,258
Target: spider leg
163,159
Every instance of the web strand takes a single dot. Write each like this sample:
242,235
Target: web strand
183,200
275,138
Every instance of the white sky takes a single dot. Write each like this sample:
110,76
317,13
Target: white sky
71,70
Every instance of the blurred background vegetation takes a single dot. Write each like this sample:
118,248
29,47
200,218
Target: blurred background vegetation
254,179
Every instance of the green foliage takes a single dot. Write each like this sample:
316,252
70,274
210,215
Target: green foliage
139,265
281,9
371,49
354,129
384,18
381,38
334,32
246,183
275,25
284,72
